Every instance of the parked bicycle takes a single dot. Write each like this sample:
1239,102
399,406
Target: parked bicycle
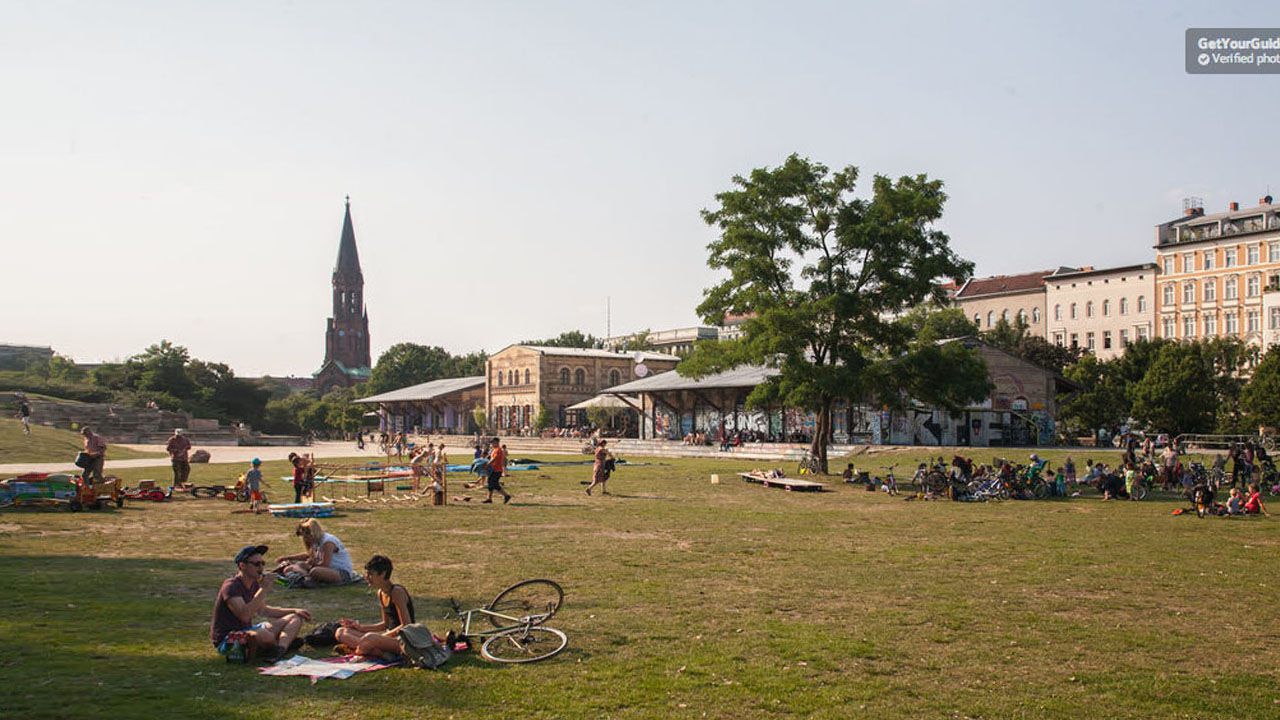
809,464
511,626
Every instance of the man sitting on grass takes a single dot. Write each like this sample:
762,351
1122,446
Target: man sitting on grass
242,597
379,639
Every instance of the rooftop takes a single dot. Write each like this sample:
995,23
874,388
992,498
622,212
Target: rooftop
592,352
427,391
1001,284
739,377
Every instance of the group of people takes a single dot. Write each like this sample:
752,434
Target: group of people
431,462
242,614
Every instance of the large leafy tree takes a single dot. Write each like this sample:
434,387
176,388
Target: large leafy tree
405,364
568,339
1176,395
1014,338
824,272
1261,396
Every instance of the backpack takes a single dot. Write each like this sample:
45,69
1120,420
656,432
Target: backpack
421,649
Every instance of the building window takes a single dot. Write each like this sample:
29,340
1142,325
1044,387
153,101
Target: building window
1188,293
1252,253
499,378
1004,314
1057,337
1210,290
1124,338
526,376
1106,339
1273,252
1168,265
1253,321
564,376
1168,327
1253,286
1142,303
1232,322
991,318
1075,341
1189,262
1274,320
1142,332
1188,326
977,319
1073,311
614,378
1124,306
1106,308
1208,259
1231,290
579,377
1022,316
1035,315
1229,258
1057,312
1168,294
1089,343
1088,309
1210,325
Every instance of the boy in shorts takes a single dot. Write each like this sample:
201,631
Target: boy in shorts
253,486
497,466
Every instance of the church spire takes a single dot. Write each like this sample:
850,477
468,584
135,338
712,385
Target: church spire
348,258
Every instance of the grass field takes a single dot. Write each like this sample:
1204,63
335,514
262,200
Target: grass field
50,445
683,600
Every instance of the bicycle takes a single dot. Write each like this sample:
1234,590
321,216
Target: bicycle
516,633
809,464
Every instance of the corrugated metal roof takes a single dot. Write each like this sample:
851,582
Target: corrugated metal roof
426,391
739,377
593,352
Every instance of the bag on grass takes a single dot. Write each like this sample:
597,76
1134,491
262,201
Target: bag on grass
323,636
421,649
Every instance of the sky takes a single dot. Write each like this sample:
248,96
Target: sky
176,170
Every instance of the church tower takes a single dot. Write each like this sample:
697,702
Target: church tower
346,337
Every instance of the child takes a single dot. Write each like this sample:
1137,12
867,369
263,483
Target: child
847,475
1253,505
1235,503
253,486
1060,482
1130,477
1069,467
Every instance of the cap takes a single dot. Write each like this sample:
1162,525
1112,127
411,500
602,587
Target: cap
249,551
255,461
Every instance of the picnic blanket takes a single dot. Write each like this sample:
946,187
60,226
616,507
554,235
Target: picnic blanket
335,668
302,510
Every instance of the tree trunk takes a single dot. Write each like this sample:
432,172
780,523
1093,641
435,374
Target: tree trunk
822,434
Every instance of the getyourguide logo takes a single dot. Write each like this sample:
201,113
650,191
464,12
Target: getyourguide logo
1227,43
1232,51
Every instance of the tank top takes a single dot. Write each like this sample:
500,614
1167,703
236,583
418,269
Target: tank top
393,614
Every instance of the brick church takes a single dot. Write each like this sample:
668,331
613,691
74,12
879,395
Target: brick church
346,338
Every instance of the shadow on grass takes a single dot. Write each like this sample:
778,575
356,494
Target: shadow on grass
91,637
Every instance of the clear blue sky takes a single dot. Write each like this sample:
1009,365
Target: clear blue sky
176,169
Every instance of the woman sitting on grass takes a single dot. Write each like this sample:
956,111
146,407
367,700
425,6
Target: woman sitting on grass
325,561
380,639
1253,505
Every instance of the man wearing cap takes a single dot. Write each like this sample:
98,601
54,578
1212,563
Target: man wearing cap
242,597
178,448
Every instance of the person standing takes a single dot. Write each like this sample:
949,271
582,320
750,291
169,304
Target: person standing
24,413
96,448
299,476
497,466
599,469
253,486
179,449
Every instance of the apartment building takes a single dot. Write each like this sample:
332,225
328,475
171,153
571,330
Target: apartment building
1101,310
987,300
1214,270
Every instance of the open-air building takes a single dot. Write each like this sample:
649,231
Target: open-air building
440,406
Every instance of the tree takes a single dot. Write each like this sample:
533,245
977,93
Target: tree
824,272
1101,400
931,323
163,368
479,416
543,419
1013,338
1174,396
569,339
1261,396
1227,360
405,364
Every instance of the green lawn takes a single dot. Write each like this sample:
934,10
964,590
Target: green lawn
47,444
683,599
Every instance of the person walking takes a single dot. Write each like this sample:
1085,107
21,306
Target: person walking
497,466
600,469
24,413
179,449
96,448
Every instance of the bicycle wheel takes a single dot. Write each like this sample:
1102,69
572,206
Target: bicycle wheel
1041,490
1139,491
530,600
524,645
